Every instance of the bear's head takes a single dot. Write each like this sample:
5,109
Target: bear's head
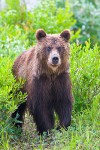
53,50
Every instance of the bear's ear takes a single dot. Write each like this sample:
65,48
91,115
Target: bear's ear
66,35
40,33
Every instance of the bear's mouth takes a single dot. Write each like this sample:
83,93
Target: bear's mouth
54,65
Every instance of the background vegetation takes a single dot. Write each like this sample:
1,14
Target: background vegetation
87,14
17,33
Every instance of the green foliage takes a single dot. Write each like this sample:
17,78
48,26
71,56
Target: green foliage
85,74
8,99
17,28
86,90
54,21
87,14
83,134
18,22
16,12
60,3
12,40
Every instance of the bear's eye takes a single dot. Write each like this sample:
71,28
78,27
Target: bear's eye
48,48
59,48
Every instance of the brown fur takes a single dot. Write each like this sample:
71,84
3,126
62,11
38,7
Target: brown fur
46,87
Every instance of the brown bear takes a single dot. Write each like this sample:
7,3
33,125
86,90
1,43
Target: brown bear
45,69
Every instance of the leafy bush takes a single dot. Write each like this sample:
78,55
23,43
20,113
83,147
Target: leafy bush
8,100
54,21
16,12
60,3
14,22
16,35
87,14
86,90
12,40
85,74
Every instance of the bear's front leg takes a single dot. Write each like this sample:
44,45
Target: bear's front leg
19,114
44,118
64,114
63,99
41,104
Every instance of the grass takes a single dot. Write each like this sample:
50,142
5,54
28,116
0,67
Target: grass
83,134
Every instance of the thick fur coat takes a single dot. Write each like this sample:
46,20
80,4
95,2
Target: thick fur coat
45,69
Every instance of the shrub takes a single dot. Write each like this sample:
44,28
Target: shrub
16,35
54,21
16,12
85,80
8,98
85,74
14,24
87,14
12,40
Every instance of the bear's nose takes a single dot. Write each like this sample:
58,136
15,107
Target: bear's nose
55,60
